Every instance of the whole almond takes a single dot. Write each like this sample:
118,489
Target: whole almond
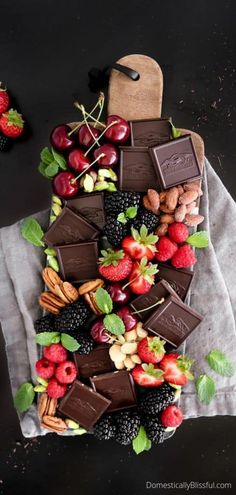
146,203
164,209
162,196
193,220
180,213
172,198
180,189
154,199
188,197
161,229
167,218
194,186
191,207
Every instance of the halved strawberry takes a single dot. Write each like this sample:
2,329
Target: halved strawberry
142,276
148,375
151,349
176,368
140,244
115,265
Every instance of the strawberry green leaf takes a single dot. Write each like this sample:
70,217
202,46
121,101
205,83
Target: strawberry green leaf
111,257
141,442
150,370
199,239
143,231
103,300
131,212
15,118
220,363
59,159
206,389
122,218
46,338
69,342
24,397
32,232
175,132
114,324
46,156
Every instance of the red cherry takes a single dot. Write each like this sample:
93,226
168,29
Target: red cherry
111,155
78,161
129,320
118,294
60,139
99,333
85,137
117,133
64,185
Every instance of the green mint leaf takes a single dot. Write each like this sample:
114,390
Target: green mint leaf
46,156
52,169
220,363
114,324
121,218
59,159
32,232
141,442
69,342
131,212
199,239
206,389
103,300
24,397
42,169
46,338
175,132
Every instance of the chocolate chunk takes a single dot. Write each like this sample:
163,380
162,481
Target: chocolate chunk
96,362
68,228
78,262
158,291
118,387
137,172
175,162
179,278
91,207
150,132
83,405
173,321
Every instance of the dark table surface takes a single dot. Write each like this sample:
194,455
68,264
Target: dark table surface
46,50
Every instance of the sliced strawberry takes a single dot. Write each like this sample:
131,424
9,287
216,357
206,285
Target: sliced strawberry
142,276
140,244
115,265
176,368
151,349
148,375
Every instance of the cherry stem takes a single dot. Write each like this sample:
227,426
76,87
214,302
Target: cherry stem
81,123
149,307
101,100
130,282
99,137
88,126
77,105
84,171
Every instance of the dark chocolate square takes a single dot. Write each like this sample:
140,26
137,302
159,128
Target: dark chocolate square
173,321
83,405
175,162
179,278
91,207
78,262
118,387
96,362
137,172
149,132
158,291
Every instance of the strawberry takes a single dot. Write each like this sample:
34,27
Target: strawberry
176,368
151,349
115,265
178,232
147,375
4,99
142,276
11,124
184,257
140,244
165,249
172,417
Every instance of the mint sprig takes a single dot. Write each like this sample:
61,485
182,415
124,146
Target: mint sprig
199,239
220,363
127,215
32,232
24,397
206,389
103,300
141,442
114,324
51,162
47,338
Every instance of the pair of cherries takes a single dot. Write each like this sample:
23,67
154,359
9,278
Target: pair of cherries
117,130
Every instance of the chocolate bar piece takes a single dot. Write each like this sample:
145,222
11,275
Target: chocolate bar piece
175,162
137,172
158,291
118,387
91,207
96,362
83,405
173,321
78,262
68,228
148,132
179,278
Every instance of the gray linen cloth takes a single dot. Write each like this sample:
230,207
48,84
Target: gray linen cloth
212,294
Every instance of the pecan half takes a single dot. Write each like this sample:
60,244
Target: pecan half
51,302
90,298
46,405
53,423
92,285
51,278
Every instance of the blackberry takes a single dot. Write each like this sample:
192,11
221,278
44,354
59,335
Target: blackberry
154,401
145,217
72,317
44,324
127,424
105,428
86,342
115,231
4,142
154,429
118,202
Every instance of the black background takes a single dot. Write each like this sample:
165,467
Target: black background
46,50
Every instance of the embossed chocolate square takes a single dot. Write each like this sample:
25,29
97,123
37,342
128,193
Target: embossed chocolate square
180,279
91,207
175,162
68,228
96,362
149,132
83,405
118,387
78,262
146,304
137,172
173,321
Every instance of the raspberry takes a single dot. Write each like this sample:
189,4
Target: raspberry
165,249
66,372
171,416
178,232
45,368
184,257
55,353
55,390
